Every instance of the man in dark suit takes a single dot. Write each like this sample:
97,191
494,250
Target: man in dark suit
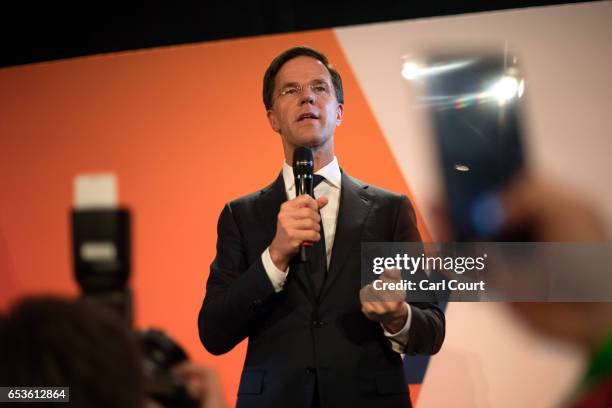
312,341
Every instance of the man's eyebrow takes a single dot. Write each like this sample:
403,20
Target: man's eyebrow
319,81
314,81
286,84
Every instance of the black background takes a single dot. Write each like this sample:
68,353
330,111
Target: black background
41,31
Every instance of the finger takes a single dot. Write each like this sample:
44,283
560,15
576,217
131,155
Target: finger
306,235
322,202
391,275
376,308
306,213
187,369
193,376
391,306
305,200
518,203
368,311
306,224
386,307
368,314
373,308
553,213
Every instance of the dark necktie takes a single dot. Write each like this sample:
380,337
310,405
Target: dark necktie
318,258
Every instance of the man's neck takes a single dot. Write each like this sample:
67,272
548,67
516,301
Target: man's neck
322,157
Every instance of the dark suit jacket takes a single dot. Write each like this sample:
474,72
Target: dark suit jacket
295,341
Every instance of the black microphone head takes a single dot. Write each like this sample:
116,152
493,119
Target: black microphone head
303,167
303,161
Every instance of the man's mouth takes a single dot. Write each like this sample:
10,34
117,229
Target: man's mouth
306,116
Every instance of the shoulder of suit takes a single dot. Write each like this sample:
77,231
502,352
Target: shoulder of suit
376,190
251,197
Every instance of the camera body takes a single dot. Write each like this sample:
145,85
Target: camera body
101,248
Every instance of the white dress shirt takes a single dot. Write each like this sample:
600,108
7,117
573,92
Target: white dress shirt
330,188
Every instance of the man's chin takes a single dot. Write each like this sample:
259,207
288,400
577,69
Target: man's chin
312,141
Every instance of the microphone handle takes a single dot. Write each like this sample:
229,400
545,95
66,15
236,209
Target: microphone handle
303,256
301,187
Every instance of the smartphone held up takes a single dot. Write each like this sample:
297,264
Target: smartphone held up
473,100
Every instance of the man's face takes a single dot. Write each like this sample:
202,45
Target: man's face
305,111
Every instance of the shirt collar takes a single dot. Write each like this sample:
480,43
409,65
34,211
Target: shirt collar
331,172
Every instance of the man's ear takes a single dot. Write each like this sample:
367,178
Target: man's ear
339,114
273,121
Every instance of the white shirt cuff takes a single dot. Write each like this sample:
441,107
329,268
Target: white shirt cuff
399,340
277,277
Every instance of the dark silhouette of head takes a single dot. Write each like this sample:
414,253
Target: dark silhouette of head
54,342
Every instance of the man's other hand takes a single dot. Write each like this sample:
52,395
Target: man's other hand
385,306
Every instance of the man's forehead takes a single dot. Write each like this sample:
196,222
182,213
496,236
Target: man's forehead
302,68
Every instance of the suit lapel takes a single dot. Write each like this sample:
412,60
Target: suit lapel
355,204
268,204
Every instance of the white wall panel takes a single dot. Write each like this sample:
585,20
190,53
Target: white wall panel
489,359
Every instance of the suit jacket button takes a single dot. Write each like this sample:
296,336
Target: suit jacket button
317,323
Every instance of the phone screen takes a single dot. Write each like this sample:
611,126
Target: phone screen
474,102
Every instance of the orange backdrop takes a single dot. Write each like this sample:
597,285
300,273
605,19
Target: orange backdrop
185,130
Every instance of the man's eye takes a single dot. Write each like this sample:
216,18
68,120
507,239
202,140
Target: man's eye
320,88
290,91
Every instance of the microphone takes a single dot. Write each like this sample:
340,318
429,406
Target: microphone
303,168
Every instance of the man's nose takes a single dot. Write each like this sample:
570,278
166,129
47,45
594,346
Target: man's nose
307,95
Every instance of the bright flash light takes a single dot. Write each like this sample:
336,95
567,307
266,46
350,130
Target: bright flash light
410,70
521,88
505,89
